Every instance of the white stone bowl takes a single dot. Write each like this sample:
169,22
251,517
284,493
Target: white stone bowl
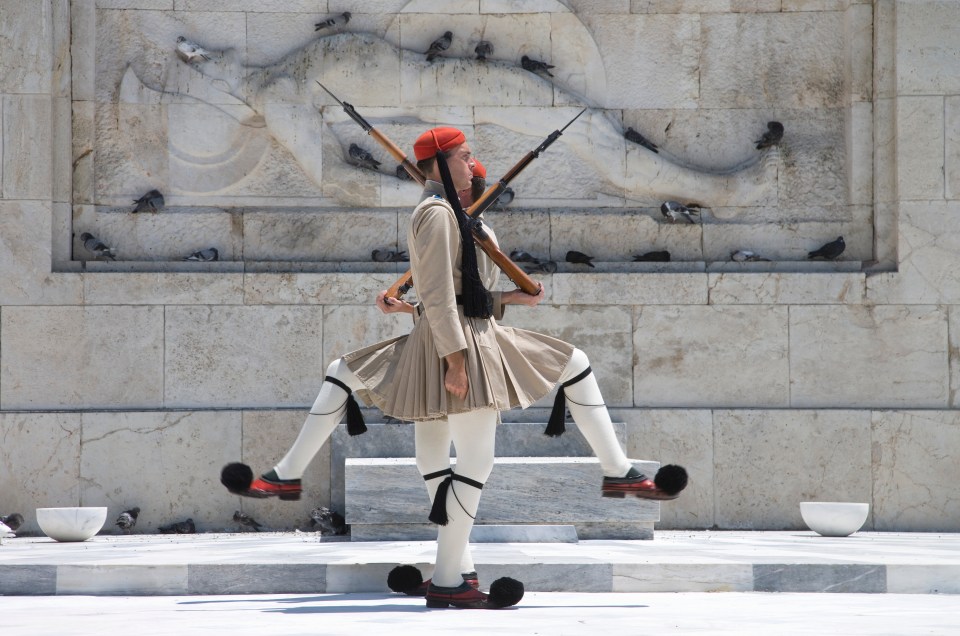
71,524
834,518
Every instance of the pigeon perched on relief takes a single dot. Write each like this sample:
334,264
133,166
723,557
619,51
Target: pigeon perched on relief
98,247
746,256
637,138
541,267
772,137
328,521
389,256
362,159
402,173
658,256
536,66
519,256
191,51
246,520
573,256
484,49
128,519
13,521
439,45
205,256
829,251
179,527
335,21
675,211
150,202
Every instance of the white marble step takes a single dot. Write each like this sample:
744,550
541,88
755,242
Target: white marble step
387,500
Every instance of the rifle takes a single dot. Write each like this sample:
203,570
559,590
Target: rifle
511,269
390,147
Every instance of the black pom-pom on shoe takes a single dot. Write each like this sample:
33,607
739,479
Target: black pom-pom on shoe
236,477
404,578
671,479
505,592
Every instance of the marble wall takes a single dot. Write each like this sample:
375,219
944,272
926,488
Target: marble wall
134,381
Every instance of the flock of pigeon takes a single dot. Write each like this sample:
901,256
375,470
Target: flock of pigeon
674,211
322,520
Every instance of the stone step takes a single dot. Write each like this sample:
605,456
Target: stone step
514,439
386,499
306,563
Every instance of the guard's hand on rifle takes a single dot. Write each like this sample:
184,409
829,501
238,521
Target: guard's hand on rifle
520,297
392,305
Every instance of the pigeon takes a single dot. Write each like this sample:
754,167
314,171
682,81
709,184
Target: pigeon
362,159
829,251
204,256
536,66
519,256
389,256
439,45
745,256
402,173
128,519
98,247
335,21
573,256
150,202
5,532
191,51
637,138
330,521
675,211
660,256
246,520
542,267
483,49
179,527
772,137
13,521
506,197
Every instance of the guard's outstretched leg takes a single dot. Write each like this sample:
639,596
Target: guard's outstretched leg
581,394
334,400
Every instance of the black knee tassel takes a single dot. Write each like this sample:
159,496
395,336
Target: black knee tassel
355,423
555,425
438,512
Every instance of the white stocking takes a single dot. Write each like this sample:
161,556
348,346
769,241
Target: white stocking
432,441
325,414
473,434
590,413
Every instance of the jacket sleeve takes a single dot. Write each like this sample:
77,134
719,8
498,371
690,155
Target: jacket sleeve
437,241
498,306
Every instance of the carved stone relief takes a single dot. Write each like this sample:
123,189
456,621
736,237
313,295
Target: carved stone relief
261,145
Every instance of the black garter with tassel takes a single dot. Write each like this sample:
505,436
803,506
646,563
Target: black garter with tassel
555,425
438,512
355,423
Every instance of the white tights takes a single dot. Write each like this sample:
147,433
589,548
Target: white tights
473,435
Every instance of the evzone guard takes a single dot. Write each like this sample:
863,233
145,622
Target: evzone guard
452,375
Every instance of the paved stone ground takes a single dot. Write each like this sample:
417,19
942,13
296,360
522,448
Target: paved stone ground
548,614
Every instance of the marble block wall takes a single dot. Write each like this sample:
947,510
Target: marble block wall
131,382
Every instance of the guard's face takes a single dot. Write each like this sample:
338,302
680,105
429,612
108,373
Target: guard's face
460,162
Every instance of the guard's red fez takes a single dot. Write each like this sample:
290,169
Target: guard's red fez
478,169
443,139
